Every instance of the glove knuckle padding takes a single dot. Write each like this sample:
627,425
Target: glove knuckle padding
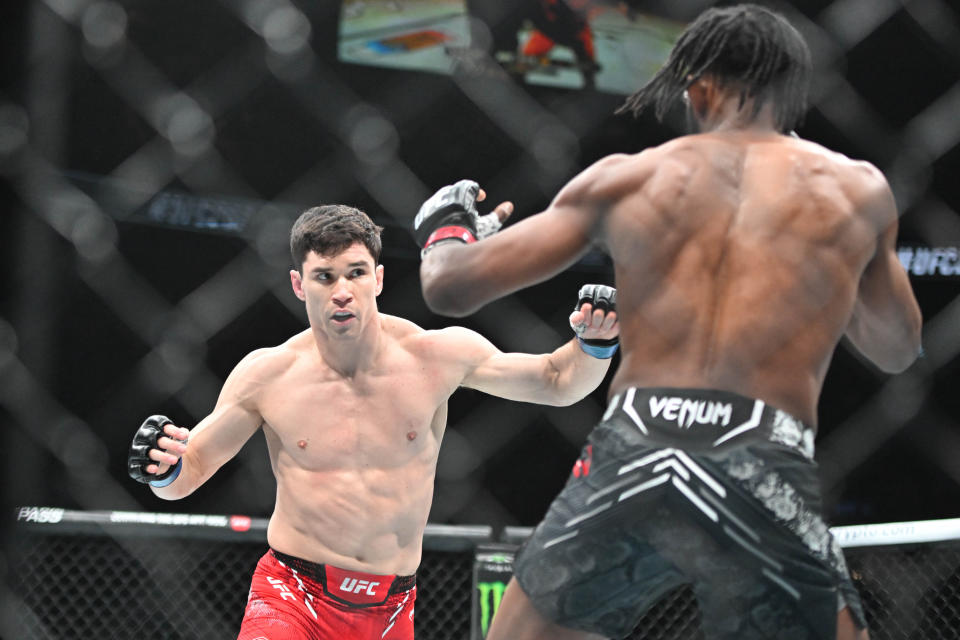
599,296
144,440
454,204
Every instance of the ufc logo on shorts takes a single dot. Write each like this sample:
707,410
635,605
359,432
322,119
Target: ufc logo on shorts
352,585
284,589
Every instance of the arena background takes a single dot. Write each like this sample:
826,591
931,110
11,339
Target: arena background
155,153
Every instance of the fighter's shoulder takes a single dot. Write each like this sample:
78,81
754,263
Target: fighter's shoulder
451,343
261,367
275,359
847,167
399,328
606,177
862,174
681,155
405,334
861,179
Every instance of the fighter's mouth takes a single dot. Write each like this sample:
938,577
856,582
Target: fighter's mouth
342,316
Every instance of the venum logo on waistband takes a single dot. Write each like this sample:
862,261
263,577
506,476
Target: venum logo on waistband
685,411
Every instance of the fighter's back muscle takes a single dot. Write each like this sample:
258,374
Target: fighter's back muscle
737,264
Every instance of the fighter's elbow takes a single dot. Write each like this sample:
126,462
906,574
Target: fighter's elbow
894,365
910,346
899,360
907,357
892,346
558,389
565,400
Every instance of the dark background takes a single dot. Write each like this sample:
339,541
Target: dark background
124,125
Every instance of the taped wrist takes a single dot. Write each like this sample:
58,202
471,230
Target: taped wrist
452,233
601,349
169,476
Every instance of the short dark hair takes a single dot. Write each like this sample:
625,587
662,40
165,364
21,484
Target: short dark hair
747,46
330,229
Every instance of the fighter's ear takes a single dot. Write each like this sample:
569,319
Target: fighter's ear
296,281
698,94
379,273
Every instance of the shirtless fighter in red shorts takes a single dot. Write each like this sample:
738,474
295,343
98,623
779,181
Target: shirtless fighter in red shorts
353,410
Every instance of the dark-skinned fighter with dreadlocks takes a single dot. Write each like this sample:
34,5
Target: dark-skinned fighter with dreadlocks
742,256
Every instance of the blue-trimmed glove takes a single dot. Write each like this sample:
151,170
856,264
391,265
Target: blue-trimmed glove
138,460
599,297
450,215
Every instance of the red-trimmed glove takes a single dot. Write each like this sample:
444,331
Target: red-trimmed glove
450,215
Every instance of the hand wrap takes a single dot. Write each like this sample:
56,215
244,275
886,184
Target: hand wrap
599,297
450,215
144,440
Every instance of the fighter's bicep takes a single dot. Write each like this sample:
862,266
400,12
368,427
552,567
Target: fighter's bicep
544,244
477,363
514,376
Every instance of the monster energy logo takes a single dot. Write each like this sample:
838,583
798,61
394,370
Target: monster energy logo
490,595
492,569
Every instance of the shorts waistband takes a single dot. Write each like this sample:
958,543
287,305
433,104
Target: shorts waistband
708,418
355,588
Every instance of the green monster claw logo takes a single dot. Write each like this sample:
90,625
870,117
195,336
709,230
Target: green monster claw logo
490,594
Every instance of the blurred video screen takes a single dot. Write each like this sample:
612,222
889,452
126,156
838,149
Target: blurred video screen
602,45
403,34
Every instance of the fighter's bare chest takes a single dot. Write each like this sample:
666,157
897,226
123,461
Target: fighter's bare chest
380,414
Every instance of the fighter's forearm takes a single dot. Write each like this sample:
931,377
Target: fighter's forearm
456,281
577,373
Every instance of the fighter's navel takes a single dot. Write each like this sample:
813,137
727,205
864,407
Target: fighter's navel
411,435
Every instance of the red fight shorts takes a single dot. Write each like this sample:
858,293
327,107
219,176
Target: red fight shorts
293,599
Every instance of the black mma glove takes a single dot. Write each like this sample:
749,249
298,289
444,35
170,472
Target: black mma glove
450,215
604,298
145,439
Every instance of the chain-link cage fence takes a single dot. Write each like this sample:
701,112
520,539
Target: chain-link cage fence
155,154
908,592
124,575
131,575
75,587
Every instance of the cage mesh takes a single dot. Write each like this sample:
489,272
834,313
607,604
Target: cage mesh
155,154
104,587
84,586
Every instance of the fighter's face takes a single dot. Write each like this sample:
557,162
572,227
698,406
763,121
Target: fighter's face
340,291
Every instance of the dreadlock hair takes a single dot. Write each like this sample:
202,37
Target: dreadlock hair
745,46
